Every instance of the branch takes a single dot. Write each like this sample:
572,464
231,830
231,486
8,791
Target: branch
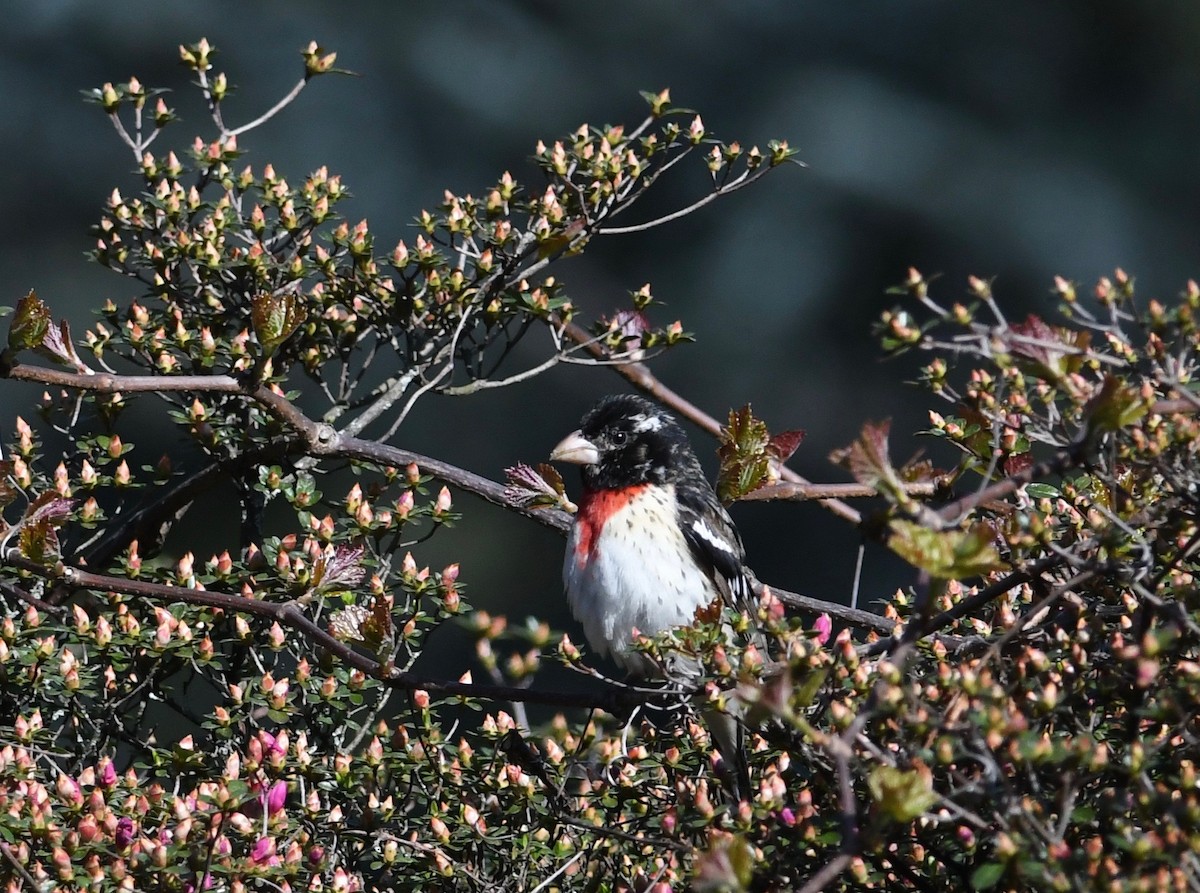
797,492
744,180
108,383
21,869
827,875
974,602
953,512
269,113
852,616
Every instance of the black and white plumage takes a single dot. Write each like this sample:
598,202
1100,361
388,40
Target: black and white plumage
650,545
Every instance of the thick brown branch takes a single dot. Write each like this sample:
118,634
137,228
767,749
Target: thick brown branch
107,383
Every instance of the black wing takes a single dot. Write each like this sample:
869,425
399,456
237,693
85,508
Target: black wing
716,545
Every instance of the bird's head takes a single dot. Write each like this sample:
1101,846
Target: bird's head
625,440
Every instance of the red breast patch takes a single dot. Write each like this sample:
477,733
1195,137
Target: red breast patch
595,508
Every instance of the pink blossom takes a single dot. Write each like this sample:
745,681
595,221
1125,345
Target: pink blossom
823,627
276,797
264,852
124,833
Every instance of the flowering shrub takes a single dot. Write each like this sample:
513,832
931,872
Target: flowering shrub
1022,717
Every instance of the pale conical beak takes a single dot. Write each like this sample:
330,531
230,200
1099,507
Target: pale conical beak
577,449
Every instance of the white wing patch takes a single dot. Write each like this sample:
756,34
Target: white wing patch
706,533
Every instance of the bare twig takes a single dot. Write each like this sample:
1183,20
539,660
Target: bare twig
797,492
744,180
21,869
269,113
827,875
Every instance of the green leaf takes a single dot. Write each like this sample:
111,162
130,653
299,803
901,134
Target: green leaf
743,454
275,317
1043,491
1116,406
904,794
946,554
726,867
29,323
987,876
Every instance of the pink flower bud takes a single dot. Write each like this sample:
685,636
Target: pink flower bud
276,797
124,834
264,852
68,789
404,504
823,627
442,505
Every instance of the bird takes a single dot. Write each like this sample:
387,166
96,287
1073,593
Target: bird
649,545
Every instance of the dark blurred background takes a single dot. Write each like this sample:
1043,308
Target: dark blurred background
1017,141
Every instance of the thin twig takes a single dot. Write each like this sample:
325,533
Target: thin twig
21,869
827,875
797,492
744,180
269,113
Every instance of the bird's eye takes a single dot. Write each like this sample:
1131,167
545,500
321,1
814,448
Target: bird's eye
619,437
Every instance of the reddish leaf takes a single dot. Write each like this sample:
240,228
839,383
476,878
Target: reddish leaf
38,539
782,445
536,488
1053,352
57,345
342,569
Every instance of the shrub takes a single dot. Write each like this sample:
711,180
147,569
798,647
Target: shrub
1022,717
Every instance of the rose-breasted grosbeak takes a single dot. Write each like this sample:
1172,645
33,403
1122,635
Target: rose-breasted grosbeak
650,545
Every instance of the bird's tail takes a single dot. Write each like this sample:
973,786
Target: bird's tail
728,734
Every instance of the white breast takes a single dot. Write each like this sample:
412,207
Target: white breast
626,581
